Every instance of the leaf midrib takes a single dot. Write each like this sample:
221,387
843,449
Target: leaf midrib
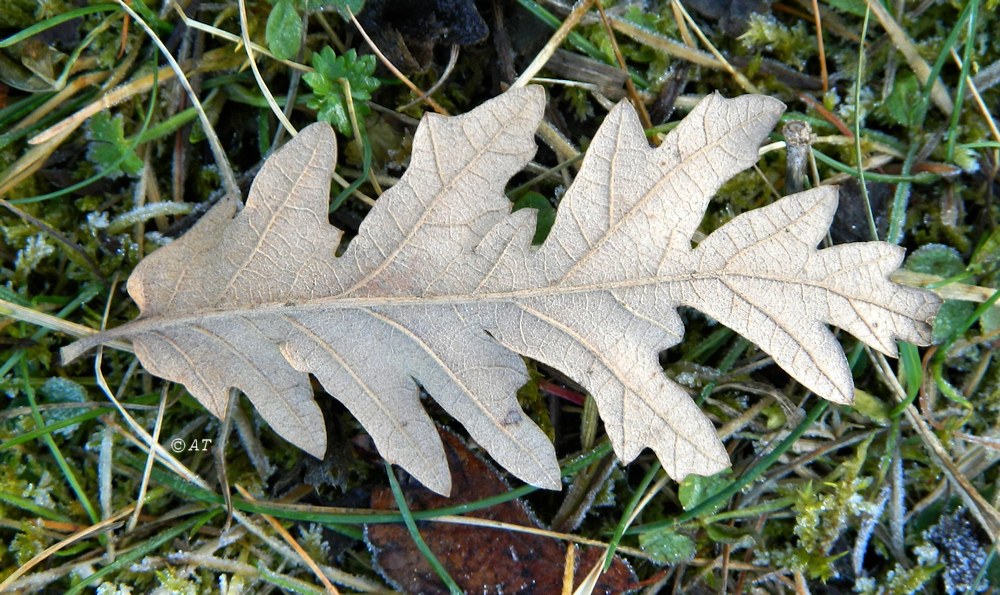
284,308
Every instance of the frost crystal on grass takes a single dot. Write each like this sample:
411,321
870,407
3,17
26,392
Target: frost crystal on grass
869,520
147,212
109,588
62,390
35,250
864,585
157,238
97,220
41,493
144,565
312,540
927,554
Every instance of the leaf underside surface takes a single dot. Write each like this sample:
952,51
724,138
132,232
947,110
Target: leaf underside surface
443,289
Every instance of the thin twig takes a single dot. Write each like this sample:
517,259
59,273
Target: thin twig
738,76
824,76
392,67
640,108
979,103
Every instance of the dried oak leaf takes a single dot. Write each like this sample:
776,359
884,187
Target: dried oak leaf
442,288
480,559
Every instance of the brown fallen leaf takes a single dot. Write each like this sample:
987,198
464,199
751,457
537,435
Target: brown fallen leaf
442,287
479,559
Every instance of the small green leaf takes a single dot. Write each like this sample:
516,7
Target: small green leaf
871,406
696,488
546,214
667,546
774,417
284,30
341,6
855,7
943,261
935,259
735,536
108,148
951,319
904,102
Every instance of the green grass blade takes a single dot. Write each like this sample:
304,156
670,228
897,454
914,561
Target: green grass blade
418,540
35,509
909,359
59,19
633,502
967,57
920,178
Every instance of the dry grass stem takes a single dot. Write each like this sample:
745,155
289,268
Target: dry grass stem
909,50
293,543
557,39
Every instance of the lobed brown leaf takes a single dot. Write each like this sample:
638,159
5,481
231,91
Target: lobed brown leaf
443,289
